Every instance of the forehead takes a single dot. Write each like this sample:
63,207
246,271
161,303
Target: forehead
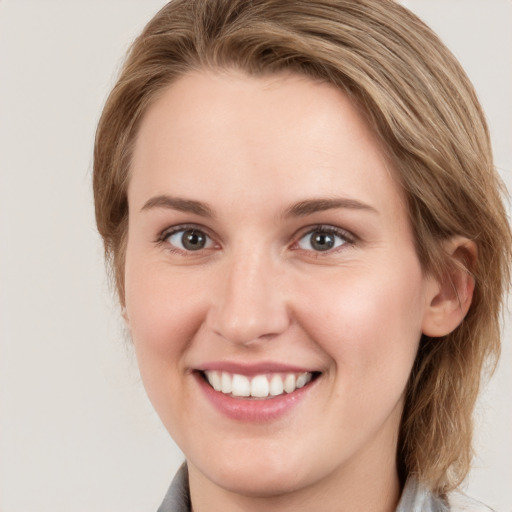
225,134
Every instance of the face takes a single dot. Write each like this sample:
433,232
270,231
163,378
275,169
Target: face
273,291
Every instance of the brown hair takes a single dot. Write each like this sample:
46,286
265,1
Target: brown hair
418,100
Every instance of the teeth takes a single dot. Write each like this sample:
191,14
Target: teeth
289,383
241,386
302,380
216,381
276,385
260,386
225,380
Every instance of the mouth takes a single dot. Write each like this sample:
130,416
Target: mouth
257,387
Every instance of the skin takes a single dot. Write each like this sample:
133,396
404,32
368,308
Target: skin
248,149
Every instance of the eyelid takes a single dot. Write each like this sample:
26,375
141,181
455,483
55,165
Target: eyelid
349,237
167,232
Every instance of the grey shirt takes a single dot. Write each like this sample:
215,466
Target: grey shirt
415,498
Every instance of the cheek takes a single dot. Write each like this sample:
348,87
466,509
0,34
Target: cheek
369,322
164,311
163,316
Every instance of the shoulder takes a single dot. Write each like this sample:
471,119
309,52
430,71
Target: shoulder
459,502
416,497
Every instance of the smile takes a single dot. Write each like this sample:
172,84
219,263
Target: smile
268,385
255,393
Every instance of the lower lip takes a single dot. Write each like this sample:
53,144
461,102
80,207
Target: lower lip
254,410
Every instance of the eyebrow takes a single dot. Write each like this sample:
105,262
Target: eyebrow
300,209
311,206
179,204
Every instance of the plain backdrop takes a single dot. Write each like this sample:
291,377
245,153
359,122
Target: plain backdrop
77,433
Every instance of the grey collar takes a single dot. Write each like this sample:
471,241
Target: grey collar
177,498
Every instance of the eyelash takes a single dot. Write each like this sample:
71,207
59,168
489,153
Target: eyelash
347,237
164,236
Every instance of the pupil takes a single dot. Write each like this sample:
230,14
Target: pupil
322,241
193,240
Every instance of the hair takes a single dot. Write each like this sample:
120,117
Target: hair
420,103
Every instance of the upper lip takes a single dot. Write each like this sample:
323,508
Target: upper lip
250,369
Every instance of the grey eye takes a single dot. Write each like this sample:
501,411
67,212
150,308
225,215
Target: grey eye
321,240
190,240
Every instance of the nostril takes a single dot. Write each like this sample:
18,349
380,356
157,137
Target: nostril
248,328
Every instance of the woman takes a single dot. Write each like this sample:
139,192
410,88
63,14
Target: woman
305,227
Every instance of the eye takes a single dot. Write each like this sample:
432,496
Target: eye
323,239
189,239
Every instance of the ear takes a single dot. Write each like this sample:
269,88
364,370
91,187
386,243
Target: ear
450,296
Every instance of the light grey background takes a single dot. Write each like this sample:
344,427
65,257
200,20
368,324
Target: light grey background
76,431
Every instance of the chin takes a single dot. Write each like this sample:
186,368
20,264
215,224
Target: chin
260,476
261,482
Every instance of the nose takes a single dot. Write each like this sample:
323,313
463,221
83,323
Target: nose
249,305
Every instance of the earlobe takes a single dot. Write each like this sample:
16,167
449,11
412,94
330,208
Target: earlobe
451,295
